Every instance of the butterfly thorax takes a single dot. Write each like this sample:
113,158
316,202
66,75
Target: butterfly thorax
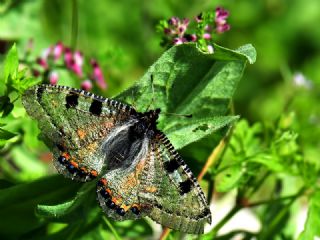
145,125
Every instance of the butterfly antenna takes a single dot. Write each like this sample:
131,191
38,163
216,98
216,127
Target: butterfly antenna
133,102
152,88
178,115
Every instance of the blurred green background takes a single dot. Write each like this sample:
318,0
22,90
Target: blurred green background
122,36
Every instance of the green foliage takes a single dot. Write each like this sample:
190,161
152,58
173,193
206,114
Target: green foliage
313,222
269,122
175,90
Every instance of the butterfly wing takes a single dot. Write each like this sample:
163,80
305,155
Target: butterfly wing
118,190
157,184
73,125
176,197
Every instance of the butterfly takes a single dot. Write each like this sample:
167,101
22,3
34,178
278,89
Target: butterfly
137,169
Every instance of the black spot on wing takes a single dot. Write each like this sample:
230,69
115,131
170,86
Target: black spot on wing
39,93
185,186
72,100
96,107
171,165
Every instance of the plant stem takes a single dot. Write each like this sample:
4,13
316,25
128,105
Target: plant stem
226,218
212,158
165,233
115,234
74,24
292,197
282,213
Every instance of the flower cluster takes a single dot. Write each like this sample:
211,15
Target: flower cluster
60,56
178,31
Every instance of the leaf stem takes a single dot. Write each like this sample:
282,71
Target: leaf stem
292,197
113,230
213,157
275,222
165,233
226,218
74,24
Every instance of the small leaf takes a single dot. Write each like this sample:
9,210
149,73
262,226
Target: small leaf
4,100
229,178
18,203
7,109
312,224
11,63
6,135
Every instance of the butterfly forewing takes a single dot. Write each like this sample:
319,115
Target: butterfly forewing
73,124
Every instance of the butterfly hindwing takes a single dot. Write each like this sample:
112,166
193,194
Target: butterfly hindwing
157,184
73,124
178,201
118,190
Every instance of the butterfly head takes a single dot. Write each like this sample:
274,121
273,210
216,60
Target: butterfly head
147,122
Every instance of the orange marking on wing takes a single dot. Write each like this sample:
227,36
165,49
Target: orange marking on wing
136,205
108,191
81,133
125,207
108,124
117,201
129,183
66,155
151,189
74,164
94,173
103,181
92,146
140,167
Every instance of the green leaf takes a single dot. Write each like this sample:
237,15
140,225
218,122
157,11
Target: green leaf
312,224
11,64
6,135
199,128
18,203
188,81
62,210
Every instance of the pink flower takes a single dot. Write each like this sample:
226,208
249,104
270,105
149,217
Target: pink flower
97,74
43,62
68,58
222,28
178,41
221,20
77,63
86,85
74,61
53,77
173,21
35,72
58,50
198,18
190,37
221,15
207,36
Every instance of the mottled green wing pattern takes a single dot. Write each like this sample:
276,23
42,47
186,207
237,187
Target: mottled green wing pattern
175,195
73,124
119,189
